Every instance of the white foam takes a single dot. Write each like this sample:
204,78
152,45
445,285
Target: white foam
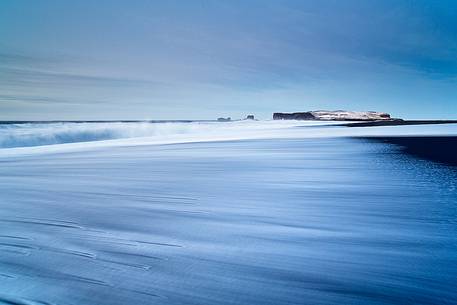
55,137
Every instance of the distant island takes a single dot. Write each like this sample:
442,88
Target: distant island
355,118
229,119
337,115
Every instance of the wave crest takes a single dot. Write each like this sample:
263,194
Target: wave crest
38,134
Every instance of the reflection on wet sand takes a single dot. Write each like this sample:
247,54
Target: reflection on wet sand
292,221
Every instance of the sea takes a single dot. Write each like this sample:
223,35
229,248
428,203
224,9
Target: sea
243,212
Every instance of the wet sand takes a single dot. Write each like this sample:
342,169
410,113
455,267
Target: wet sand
441,149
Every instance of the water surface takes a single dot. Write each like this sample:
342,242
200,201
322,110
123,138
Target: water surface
254,221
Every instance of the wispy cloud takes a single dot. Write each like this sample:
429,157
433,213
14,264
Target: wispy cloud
180,58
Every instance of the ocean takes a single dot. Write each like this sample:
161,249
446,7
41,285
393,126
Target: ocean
249,212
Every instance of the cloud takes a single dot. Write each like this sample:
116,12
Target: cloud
178,58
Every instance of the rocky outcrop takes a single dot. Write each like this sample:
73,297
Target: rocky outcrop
294,116
338,115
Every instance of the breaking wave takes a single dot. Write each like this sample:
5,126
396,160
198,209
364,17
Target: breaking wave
137,133
38,134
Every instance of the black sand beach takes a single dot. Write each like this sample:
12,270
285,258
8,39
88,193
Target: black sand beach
397,123
441,149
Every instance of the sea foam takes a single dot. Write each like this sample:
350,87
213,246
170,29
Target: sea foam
38,134
64,136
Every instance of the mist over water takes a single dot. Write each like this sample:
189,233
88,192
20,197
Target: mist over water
39,134
138,133
252,218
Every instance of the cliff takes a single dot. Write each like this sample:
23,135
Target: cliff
338,115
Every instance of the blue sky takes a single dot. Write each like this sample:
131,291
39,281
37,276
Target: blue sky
204,59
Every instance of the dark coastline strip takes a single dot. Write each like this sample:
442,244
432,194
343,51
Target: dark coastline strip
442,149
396,123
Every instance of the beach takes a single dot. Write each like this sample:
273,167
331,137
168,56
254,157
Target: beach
273,214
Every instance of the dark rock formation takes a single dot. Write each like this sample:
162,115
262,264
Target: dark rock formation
224,119
250,117
339,115
294,116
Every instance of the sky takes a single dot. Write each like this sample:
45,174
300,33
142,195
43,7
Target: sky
105,60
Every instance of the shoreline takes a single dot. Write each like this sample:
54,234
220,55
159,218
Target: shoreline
439,149
396,123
